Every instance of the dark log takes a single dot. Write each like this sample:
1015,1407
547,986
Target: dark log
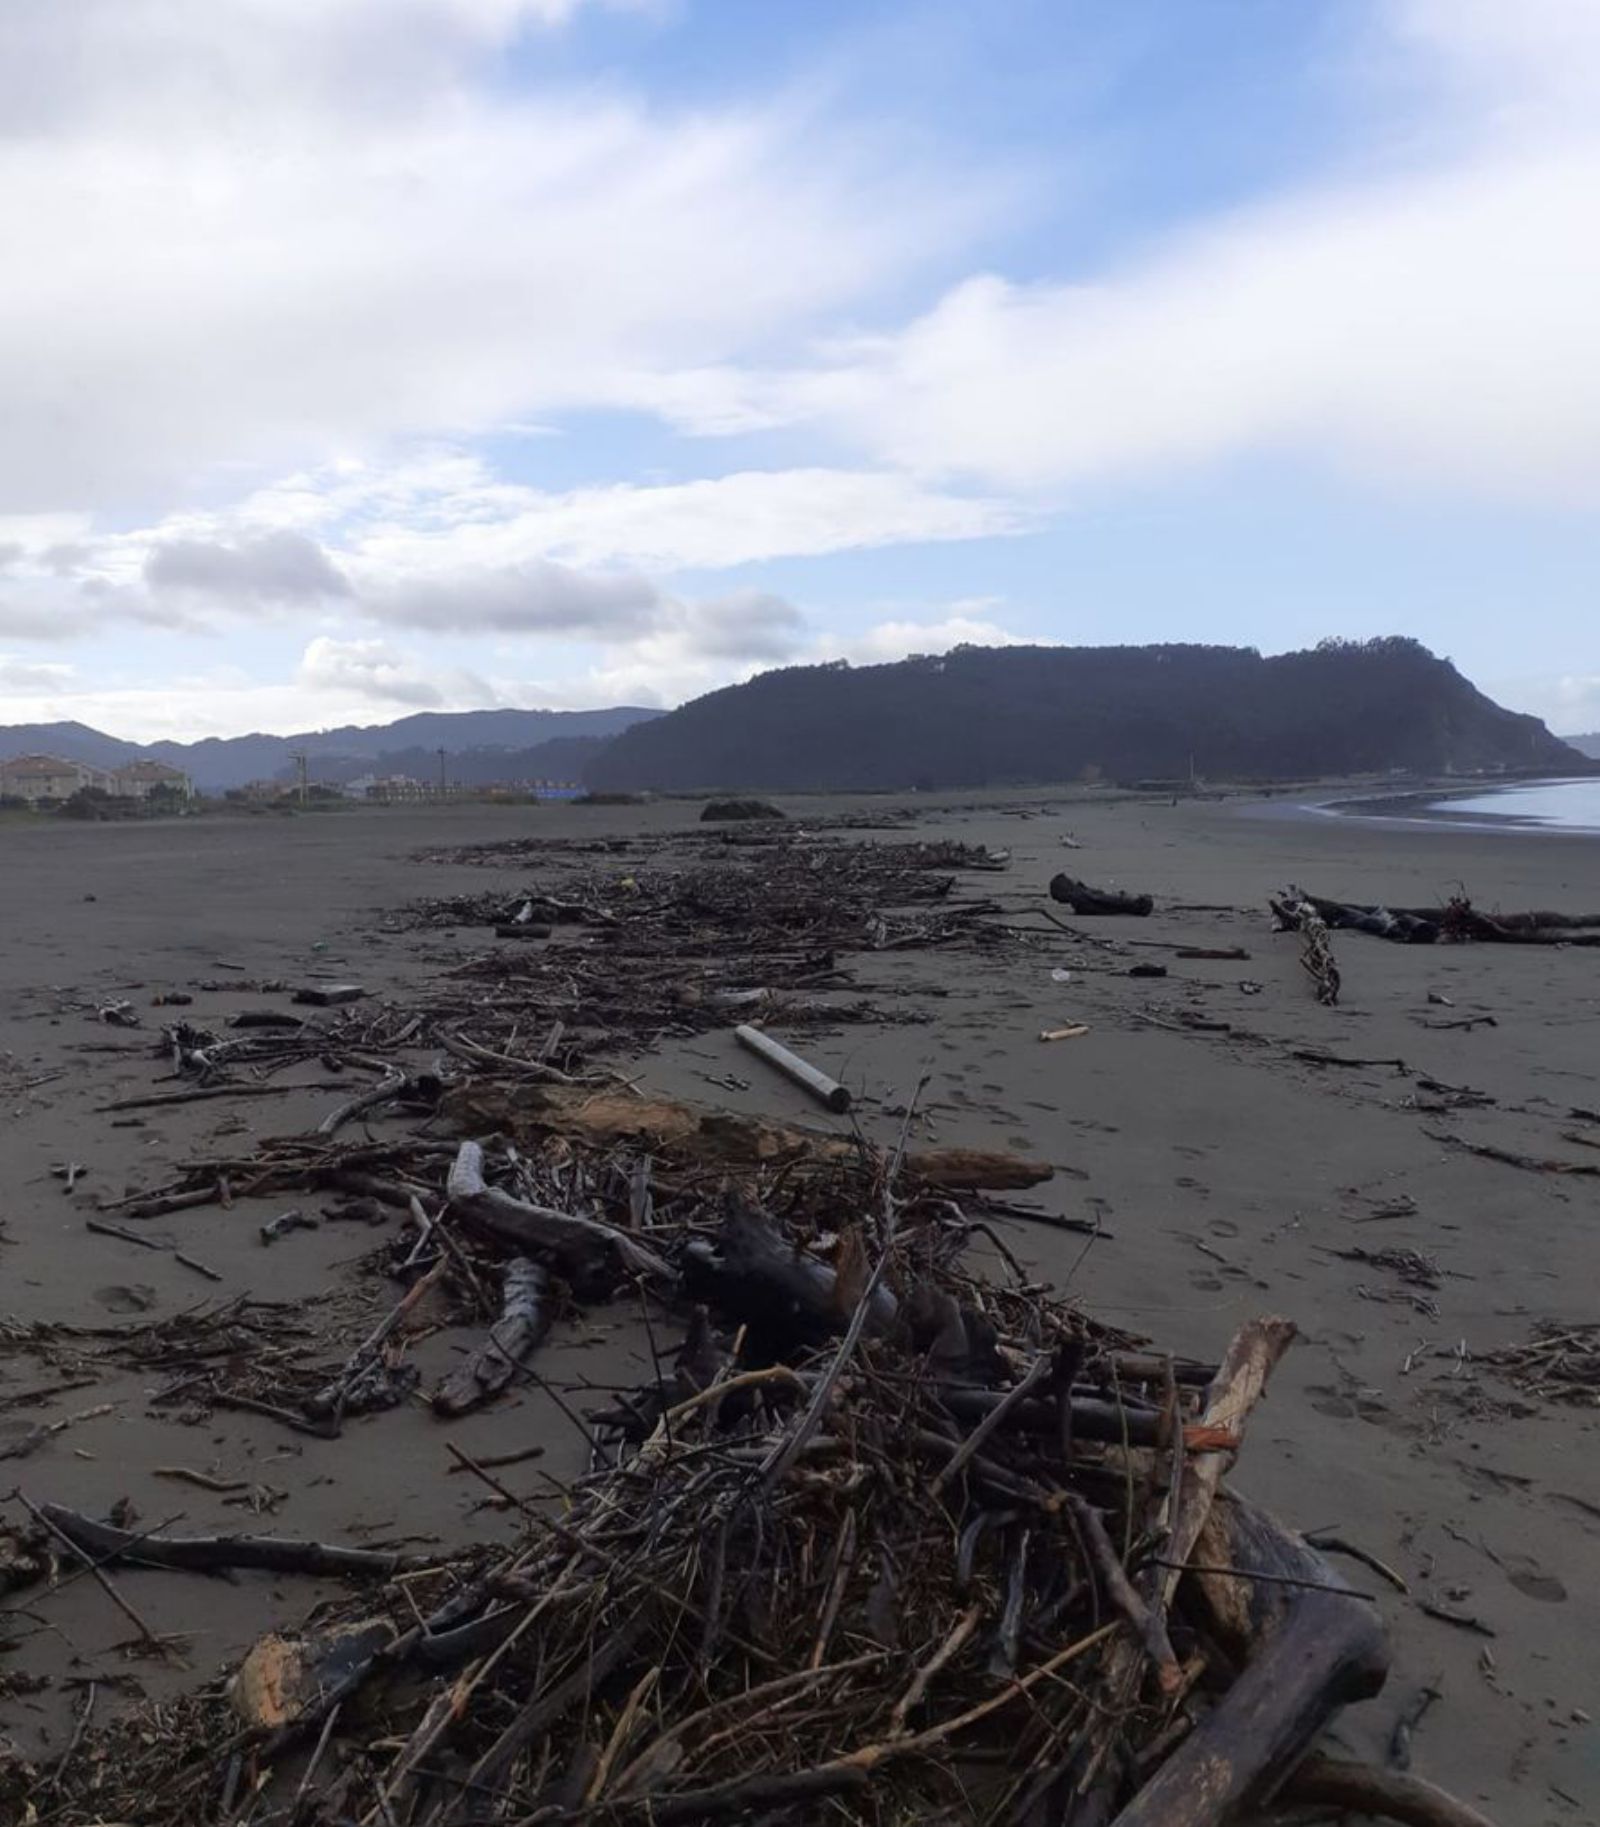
210,1553
785,1297
716,810
1313,1647
1084,900
1459,919
1391,1795
523,1322
1406,926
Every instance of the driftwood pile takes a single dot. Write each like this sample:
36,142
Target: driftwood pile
878,1541
1559,1362
636,950
878,1533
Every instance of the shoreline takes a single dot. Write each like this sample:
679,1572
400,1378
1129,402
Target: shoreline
1429,807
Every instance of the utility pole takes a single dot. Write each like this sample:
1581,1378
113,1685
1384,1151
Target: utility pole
299,758
441,774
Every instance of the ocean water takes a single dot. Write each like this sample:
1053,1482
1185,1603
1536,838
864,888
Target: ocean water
1567,805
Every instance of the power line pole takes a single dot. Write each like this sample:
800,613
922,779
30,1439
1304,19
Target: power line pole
299,758
441,774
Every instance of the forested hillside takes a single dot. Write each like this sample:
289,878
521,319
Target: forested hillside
994,716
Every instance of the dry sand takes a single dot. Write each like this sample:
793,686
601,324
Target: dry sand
1228,1174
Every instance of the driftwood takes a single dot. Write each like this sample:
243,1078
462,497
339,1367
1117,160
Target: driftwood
1459,920
672,1130
212,1553
1084,900
1391,1795
525,1226
524,1320
721,810
1312,1648
1295,912
784,1296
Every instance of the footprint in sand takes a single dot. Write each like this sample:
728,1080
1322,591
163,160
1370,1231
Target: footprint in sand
126,1298
1205,1281
1532,1581
1222,1227
1328,1401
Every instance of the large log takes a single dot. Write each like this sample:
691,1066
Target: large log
1313,1647
1084,900
674,1131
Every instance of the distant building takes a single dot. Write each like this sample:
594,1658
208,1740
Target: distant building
47,779
139,779
393,789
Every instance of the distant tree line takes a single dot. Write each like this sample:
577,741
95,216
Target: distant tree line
986,716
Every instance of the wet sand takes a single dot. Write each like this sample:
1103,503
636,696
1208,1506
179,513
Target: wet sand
1228,1175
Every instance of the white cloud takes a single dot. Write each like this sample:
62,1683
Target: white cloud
273,231
683,658
532,598
280,567
377,671
1568,703
19,675
897,640
1438,327
740,518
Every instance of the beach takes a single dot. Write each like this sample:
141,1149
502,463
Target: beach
1242,1149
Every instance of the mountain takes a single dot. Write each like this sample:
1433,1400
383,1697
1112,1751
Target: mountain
409,746
562,758
1002,716
1585,745
71,741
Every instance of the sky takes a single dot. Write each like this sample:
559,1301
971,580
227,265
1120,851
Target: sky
366,356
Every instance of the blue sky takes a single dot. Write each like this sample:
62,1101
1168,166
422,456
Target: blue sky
363,355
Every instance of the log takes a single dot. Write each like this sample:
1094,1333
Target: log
1239,1384
1391,1795
786,1298
211,1553
515,1221
524,1320
1313,1647
675,1131
1084,900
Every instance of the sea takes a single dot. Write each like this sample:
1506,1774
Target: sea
1556,805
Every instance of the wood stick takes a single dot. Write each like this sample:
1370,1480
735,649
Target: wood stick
207,1553
50,1515
1148,1624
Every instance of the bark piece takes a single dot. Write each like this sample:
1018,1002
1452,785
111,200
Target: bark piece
524,1320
